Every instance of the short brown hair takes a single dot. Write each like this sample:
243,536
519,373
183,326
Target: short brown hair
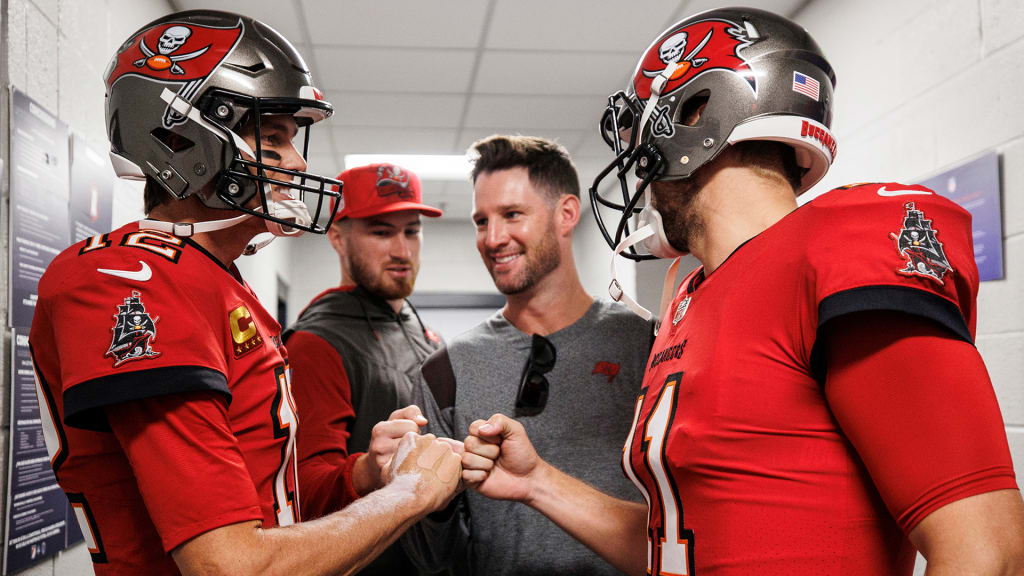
546,161
771,159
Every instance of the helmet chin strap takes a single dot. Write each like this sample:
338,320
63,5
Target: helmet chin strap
658,84
186,229
651,234
657,242
667,290
615,288
293,210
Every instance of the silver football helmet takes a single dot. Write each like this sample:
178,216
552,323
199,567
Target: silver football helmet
178,92
757,75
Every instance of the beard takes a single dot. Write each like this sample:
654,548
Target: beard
541,258
677,201
376,280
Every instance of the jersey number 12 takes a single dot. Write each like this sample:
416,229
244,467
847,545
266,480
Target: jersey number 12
285,426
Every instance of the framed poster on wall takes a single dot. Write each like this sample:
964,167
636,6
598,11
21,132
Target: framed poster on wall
974,185
39,201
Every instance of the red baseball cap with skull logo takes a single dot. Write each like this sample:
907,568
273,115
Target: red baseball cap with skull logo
379,189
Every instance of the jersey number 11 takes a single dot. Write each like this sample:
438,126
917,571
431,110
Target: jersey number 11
670,549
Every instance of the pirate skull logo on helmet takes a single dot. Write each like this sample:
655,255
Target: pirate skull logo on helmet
172,39
671,50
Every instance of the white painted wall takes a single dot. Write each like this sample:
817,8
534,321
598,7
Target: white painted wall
923,84
57,51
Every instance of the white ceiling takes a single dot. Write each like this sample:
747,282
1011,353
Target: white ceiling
432,76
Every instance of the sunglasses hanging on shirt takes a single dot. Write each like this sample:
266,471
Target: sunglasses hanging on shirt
533,386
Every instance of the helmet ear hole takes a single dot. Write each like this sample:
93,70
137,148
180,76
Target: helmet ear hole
115,132
172,140
691,110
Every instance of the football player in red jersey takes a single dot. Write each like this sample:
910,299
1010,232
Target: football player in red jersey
814,402
163,383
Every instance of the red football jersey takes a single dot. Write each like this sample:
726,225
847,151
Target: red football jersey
135,315
744,467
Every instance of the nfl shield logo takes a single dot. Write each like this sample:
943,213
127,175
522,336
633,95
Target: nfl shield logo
681,310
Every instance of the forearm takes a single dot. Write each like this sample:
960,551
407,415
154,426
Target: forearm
614,529
981,535
364,480
340,543
957,569
992,566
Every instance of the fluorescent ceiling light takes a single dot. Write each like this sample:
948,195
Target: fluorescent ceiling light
426,166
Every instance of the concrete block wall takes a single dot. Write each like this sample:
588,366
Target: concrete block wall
922,85
56,52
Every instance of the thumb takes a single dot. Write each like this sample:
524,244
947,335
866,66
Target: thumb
410,412
499,425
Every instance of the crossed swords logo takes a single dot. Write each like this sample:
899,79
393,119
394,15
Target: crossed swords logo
672,48
172,39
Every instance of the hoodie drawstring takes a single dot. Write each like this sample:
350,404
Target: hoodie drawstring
366,315
416,313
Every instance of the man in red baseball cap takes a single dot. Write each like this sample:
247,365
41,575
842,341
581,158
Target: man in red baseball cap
356,350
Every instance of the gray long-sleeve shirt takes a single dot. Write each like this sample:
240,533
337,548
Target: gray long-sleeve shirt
593,388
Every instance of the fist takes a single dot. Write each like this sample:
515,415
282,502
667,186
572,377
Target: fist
371,470
430,466
500,461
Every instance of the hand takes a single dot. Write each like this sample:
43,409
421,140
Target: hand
500,461
429,467
369,468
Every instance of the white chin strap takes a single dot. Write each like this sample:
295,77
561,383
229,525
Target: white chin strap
658,84
651,234
186,229
656,242
291,210
668,288
615,289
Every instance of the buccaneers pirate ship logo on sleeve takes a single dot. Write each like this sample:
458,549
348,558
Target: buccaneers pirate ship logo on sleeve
918,243
174,52
695,49
134,329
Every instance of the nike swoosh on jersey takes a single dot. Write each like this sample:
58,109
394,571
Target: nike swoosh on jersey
141,275
883,192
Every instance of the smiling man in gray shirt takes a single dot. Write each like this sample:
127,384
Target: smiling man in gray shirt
568,366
